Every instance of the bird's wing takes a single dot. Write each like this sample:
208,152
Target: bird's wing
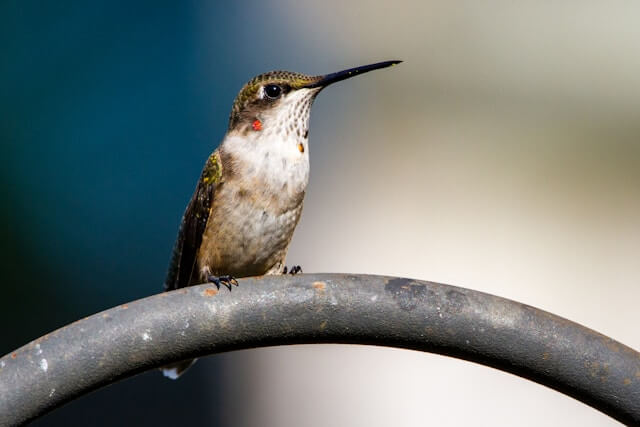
185,251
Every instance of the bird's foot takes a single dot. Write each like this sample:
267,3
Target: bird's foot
294,270
226,281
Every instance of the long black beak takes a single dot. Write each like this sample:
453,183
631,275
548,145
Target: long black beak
325,81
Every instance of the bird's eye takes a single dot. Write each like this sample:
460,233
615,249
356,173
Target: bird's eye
272,91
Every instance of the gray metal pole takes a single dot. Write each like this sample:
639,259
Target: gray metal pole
320,308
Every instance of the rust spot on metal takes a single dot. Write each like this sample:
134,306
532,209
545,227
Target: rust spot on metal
612,345
14,355
209,292
407,293
626,381
455,302
598,370
319,286
546,355
323,324
124,306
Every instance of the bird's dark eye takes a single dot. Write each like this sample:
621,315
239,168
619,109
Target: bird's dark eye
272,91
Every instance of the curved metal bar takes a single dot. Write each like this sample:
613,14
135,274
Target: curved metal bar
320,308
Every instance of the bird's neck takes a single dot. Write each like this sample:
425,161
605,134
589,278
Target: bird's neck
269,161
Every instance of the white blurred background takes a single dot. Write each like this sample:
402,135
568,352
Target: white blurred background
503,155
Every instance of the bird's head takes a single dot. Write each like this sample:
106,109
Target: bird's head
279,102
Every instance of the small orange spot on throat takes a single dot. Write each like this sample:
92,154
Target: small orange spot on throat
300,147
257,125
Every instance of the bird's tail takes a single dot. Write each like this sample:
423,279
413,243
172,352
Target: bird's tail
174,370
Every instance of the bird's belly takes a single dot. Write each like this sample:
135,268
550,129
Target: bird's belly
246,238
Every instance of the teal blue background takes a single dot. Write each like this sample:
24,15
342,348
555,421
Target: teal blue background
107,113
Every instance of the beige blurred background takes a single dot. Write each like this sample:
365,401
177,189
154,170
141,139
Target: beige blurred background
503,155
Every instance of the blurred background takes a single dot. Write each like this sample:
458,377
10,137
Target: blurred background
503,155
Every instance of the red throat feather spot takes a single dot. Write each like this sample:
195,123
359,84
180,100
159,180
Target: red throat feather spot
257,125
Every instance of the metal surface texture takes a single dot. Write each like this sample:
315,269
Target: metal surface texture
320,308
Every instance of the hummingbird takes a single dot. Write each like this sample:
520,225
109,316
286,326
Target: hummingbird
249,197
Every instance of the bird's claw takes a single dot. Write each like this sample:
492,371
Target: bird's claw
225,280
294,270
